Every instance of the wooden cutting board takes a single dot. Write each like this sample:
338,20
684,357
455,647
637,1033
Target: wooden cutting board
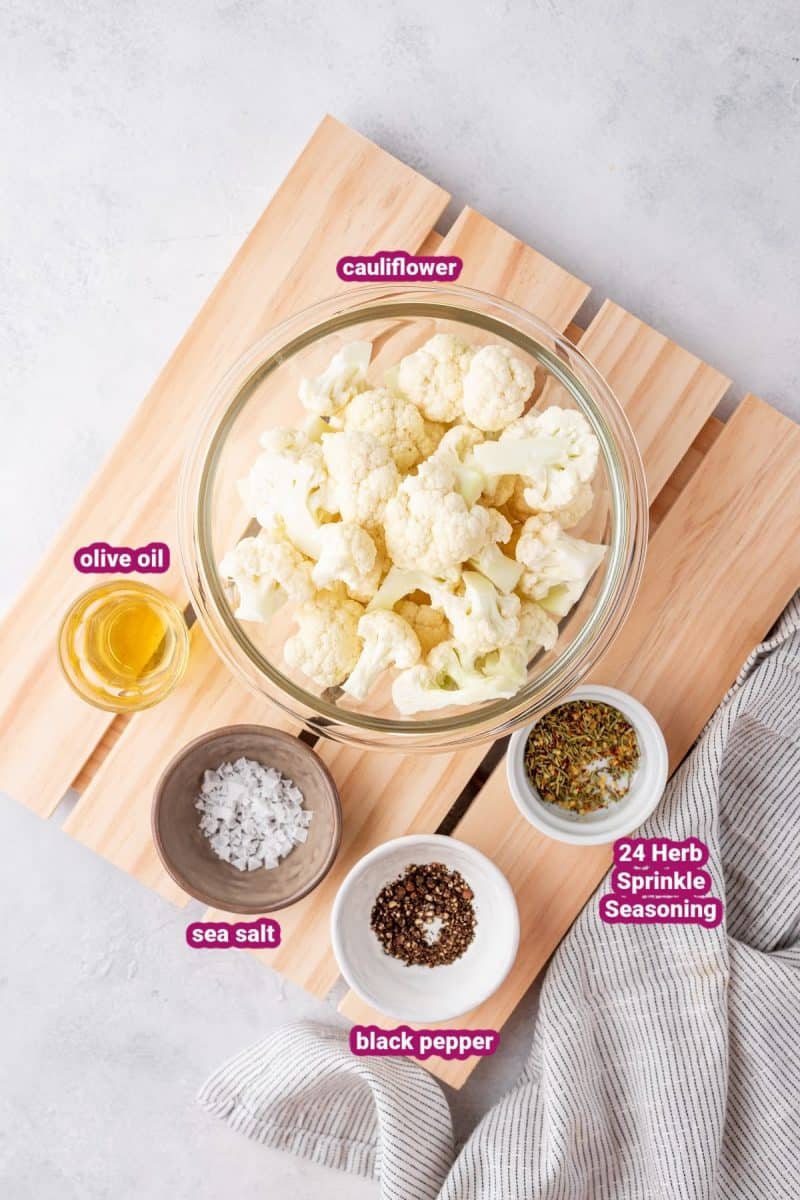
721,565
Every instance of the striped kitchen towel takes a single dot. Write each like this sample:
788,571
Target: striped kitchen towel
666,1058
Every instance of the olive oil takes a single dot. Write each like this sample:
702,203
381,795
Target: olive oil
123,646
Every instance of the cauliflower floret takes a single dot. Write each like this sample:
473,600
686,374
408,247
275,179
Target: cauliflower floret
577,509
451,676
517,508
504,572
557,566
455,448
498,490
433,377
389,641
345,375
496,388
400,582
537,629
314,427
267,570
395,422
347,555
429,525
326,646
482,619
429,624
361,477
286,485
554,451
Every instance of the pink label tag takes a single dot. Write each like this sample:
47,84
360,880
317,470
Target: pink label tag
98,558
423,1043
263,934
658,881
398,265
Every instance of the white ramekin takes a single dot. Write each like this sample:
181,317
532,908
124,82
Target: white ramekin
620,817
425,995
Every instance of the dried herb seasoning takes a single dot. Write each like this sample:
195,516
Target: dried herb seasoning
426,916
582,755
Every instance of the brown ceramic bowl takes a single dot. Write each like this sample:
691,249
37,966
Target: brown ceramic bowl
185,851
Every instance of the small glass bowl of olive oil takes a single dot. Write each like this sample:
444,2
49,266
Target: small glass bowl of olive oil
123,646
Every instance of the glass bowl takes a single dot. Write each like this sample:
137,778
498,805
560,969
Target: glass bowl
261,392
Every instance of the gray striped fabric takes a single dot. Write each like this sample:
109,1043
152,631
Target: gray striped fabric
666,1058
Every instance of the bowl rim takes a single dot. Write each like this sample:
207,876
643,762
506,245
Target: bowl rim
627,498
609,826
172,610
330,789
411,840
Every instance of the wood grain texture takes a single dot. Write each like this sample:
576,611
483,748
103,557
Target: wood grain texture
722,565
641,366
384,795
497,262
343,195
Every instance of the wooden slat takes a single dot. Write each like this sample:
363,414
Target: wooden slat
432,243
722,565
498,263
642,365
385,795
343,195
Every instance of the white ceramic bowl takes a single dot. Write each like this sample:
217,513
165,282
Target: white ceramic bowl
620,817
425,994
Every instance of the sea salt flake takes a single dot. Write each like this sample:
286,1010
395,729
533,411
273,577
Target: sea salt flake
252,815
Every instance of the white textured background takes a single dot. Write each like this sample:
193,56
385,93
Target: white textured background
651,148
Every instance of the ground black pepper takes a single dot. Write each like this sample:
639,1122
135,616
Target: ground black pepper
425,917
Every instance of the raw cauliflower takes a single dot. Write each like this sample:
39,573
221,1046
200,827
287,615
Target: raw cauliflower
388,641
455,448
537,629
451,676
326,646
496,387
286,487
516,507
482,619
267,571
579,507
348,555
433,377
429,624
345,375
428,523
419,526
554,451
396,423
361,477
557,566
